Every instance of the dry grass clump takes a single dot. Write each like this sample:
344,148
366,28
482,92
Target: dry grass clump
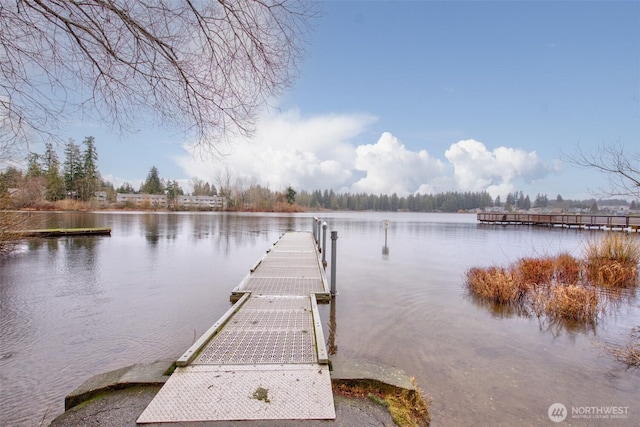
545,286
535,271
613,260
408,408
568,269
496,284
628,354
572,302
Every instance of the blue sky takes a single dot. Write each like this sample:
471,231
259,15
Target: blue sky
429,96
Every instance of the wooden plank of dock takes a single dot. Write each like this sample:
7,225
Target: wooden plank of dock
265,358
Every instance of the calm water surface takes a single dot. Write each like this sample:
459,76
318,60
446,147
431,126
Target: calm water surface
75,307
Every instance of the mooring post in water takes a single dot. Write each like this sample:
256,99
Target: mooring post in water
334,238
324,244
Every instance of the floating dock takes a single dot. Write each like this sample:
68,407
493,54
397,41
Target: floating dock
265,358
63,232
605,222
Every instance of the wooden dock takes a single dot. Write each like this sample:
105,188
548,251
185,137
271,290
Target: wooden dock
265,358
605,222
64,232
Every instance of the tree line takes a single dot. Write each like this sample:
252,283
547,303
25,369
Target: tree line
46,177
77,177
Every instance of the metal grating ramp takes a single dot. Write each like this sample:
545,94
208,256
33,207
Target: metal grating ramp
266,330
265,359
244,392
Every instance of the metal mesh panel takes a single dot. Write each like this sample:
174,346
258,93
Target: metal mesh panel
283,286
238,346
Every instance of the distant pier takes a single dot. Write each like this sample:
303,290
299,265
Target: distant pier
602,222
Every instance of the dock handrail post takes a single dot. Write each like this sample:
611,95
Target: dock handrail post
324,244
315,225
318,227
334,238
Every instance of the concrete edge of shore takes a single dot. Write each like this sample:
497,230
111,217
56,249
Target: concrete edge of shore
156,374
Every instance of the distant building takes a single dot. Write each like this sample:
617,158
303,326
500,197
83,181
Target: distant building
153,200
162,201
100,196
210,202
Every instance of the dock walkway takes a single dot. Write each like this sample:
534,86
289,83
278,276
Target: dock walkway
265,358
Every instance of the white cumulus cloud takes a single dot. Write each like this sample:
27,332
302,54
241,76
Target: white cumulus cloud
390,167
288,149
321,152
478,169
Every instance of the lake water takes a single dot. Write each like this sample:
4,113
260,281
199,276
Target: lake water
74,307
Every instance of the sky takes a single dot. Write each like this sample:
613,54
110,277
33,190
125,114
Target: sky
428,96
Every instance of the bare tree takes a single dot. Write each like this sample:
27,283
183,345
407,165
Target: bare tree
203,66
223,180
621,167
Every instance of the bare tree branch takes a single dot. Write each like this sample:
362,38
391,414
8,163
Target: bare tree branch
621,167
203,66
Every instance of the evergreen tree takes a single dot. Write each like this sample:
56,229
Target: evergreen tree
125,188
34,166
291,195
72,168
10,178
153,184
88,184
173,190
55,187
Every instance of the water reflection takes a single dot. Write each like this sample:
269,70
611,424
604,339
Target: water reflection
332,347
71,308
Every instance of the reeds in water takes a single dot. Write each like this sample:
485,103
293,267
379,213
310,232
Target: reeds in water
613,260
572,302
496,284
545,286
567,269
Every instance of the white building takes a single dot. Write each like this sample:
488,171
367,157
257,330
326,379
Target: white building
209,202
153,200
162,201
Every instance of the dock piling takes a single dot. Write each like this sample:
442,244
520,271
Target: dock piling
334,238
324,244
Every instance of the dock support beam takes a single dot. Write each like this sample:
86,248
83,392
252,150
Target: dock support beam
334,238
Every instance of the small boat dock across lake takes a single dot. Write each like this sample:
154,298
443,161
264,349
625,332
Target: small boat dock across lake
266,357
605,222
